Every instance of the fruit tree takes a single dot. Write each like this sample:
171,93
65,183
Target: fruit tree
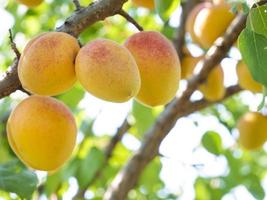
133,99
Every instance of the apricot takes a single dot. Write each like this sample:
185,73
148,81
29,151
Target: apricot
47,64
245,79
145,3
108,71
252,130
211,23
189,25
159,67
42,132
213,88
188,65
30,3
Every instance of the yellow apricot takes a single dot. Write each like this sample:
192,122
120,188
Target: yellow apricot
30,3
108,71
42,132
211,23
188,65
159,67
145,3
46,66
252,130
189,26
213,88
245,79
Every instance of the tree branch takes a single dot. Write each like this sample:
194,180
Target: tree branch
179,39
74,25
127,178
130,19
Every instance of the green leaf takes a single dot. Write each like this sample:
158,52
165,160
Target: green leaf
212,142
89,166
166,7
253,184
253,48
257,20
72,97
144,118
14,178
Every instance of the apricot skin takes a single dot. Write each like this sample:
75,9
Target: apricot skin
30,3
42,132
245,79
252,130
211,23
188,65
159,67
108,71
213,88
145,3
46,66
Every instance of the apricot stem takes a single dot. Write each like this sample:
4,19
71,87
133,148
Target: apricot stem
13,44
130,19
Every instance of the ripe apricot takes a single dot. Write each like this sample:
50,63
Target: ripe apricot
159,67
108,71
145,3
30,3
188,65
252,130
245,79
46,66
213,88
42,132
211,23
189,26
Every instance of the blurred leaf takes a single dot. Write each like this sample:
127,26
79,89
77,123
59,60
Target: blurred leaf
257,19
212,142
253,49
166,7
16,179
144,118
72,97
89,166
253,184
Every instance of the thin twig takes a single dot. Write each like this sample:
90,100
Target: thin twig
125,126
77,5
130,19
13,44
179,38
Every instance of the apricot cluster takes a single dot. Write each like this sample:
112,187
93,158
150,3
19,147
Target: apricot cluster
41,130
